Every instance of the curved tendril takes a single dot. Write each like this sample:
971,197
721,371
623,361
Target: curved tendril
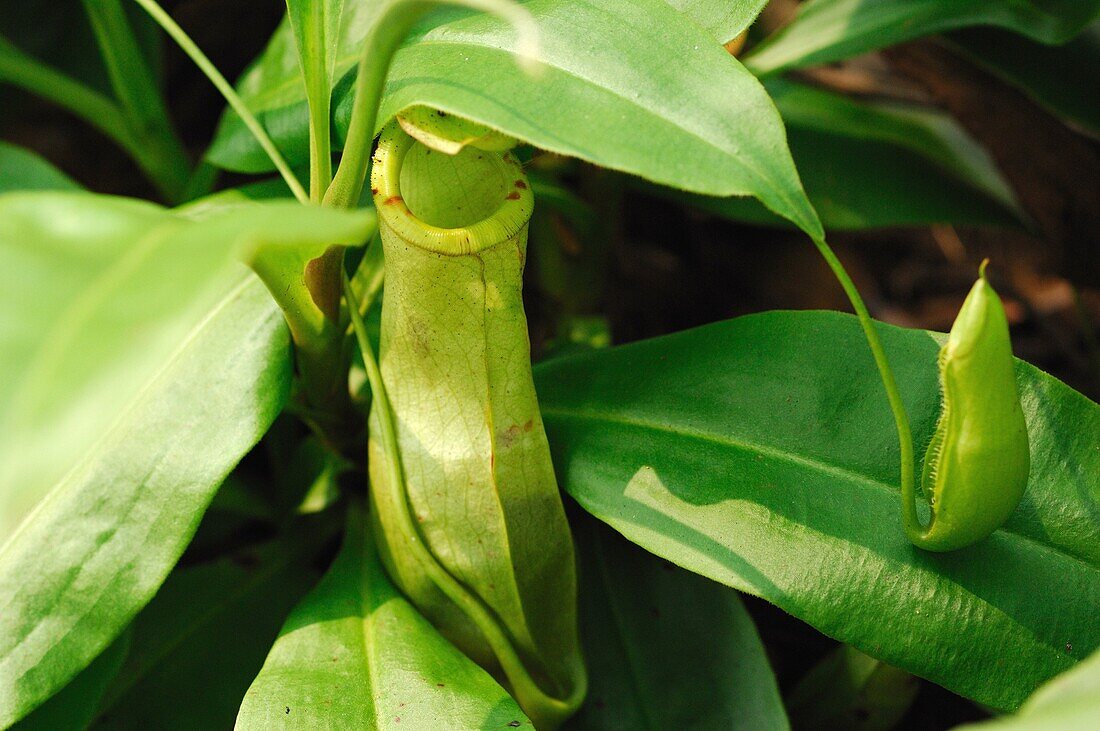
387,34
226,89
886,373
471,605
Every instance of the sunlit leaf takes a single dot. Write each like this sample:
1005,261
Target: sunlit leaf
760,452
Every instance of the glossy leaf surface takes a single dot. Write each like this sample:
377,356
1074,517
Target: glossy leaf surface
724,19
696,119
760,452
96,295
666,648
356,654
868,165
149,434
831,30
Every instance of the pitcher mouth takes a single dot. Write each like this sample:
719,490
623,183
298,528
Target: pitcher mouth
499,204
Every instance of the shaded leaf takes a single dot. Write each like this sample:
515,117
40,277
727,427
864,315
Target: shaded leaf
204,636
21,169
831,30
696,119
356,654
1063,79
760,452
666,649
851,690
867,165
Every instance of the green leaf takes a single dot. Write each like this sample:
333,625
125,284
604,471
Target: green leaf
356,654
22,169
723,19
1063,79
204,636
869,165
96,295
75,706
760,452
626,84
316,26
1070,702
150,362
666,649
831,30
851,690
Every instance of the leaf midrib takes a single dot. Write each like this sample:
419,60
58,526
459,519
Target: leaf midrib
791,458
680,124
127,412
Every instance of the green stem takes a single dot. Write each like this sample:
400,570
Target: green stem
137,91
99,111
226,89
320,149
383,40
315,54
901,418
473,607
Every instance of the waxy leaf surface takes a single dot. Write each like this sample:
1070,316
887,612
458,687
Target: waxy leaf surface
760,452
356,654
631,85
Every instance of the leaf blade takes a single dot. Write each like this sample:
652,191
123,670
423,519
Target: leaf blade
96,548
700,122
868,165
831,30
772,470
24,170
667,648
356,653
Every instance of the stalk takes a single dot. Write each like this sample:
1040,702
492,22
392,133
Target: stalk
226,89
137,91
387,34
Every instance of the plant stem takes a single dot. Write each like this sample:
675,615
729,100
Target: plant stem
199,58
137,91
901,417
383,40
99,111
313,25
